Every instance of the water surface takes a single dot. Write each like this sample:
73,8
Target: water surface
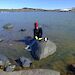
59,27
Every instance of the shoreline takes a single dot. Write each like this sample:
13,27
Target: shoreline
35,10
32,72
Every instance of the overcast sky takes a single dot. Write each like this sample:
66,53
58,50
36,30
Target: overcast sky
47,4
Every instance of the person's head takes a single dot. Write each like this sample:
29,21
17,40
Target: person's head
36,25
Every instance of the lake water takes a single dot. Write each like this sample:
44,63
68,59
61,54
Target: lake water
59,27
53,23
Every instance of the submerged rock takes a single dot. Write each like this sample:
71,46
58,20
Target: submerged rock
24,62
4,61
8,26
1,40
42,49
22,30
9,68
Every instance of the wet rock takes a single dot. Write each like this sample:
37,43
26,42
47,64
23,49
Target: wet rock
42,49
4,61
22,30
47,48
1,40
24,62
8,26
9,68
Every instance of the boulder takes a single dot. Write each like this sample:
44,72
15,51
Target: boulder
42,49
24,62
47,48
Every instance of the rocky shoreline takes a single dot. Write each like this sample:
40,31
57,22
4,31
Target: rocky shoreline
32,72
39,50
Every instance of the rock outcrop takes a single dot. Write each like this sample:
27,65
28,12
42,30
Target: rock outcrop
32,72
40,49
4,61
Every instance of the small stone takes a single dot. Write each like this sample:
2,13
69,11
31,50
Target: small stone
1,40
4,61
23,30
9,68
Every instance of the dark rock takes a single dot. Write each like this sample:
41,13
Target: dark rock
1,40
22,30
71,68
24,62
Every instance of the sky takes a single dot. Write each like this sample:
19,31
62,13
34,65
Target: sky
44,4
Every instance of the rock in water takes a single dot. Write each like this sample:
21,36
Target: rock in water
47,48
4,60
22,30
1,40
24,62
8,26
42,49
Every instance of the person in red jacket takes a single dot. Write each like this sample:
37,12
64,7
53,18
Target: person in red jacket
37,31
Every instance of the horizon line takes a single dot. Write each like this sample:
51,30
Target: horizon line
39,8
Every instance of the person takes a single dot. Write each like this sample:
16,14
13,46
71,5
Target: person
37,32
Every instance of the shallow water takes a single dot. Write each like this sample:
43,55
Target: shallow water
59,27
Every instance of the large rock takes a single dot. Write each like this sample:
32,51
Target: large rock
32,72
42,49
47,48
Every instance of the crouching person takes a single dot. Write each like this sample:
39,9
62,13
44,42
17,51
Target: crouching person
37,31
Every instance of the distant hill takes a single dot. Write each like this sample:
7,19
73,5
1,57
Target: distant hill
25,9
